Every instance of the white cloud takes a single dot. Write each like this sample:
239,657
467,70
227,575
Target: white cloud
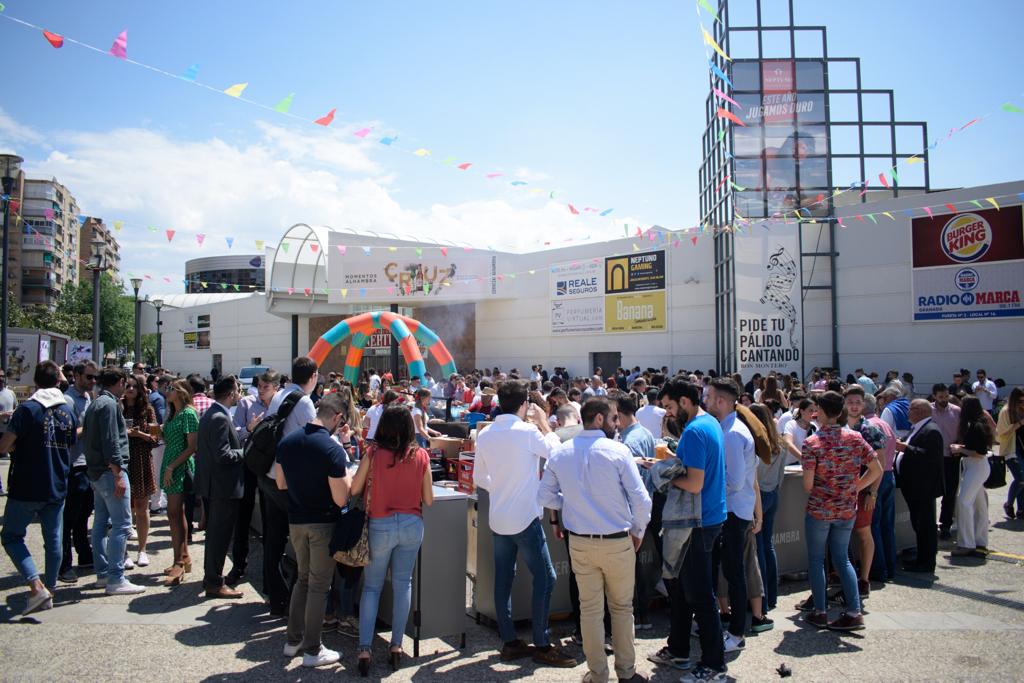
256,190
14,134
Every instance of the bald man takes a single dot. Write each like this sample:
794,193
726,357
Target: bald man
919,476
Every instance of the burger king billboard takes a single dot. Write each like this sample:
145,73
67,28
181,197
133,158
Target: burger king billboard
969,265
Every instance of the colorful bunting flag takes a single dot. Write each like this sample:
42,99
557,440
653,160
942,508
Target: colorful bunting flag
344,292
55,40
199,238
993,202
230,241
367,250
463,167
444,251
285,105
191,72
881,178
237,89
422,152
259,245
387,141
362,133
951,207
572,210
314,247
719,73
326,119
722,96
494,175
710,10
341,249
120,47
170,234
928,210
285,246
726,114
714,45
605,212
1012,108
118,225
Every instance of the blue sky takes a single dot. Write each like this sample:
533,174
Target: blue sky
603,101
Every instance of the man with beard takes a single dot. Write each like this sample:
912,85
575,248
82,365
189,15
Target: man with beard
605,531
702,450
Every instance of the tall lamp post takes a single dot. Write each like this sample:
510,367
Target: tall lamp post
158,304
97,265
136,284
10,164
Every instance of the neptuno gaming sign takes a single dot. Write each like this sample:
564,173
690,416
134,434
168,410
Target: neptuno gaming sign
970,265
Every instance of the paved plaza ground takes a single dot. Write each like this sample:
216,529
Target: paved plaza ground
965,624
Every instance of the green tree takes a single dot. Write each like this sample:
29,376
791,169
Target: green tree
149,349
117,311
74,325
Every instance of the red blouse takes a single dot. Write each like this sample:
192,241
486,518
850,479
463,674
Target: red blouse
397,487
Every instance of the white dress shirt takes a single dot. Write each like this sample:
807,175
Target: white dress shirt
595,483
740,467
651,416
986,393
509,458
374,414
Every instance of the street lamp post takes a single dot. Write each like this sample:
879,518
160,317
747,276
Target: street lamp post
158,304
97,266
10,164
136,284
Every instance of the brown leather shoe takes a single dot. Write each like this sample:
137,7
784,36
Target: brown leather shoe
553,656
223,592
516,649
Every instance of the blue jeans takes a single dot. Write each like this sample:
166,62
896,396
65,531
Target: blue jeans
1016,490
108,553
394,542
766,557
17,516
534,546
883,528
836,535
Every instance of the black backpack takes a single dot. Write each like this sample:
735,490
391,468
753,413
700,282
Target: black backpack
261,448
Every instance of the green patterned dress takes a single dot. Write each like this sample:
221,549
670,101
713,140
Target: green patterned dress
176,432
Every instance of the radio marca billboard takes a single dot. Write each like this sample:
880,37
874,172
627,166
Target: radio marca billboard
968,265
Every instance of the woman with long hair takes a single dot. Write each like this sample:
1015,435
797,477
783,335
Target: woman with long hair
420,415
396,477
1010,432
769,481
141,419
771,392
181,430
974,437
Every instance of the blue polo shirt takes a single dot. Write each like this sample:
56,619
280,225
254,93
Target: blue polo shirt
307,457
41,458
703,446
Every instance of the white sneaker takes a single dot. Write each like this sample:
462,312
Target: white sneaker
128,564
732,643
101,582
38,602
133,535
142,560
322,658
126,587
291,650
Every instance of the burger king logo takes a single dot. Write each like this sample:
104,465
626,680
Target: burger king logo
966,238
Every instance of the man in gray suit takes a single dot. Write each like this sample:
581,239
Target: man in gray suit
220,480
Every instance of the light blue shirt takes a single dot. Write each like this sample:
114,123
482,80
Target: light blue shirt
867,384
595,483
740,467
78,403
303,413
638,439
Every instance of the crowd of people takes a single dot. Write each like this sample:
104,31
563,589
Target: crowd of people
695,461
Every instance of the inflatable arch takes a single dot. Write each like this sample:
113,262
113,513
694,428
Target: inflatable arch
406,330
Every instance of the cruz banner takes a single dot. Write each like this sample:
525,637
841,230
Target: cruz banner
969,265
769,328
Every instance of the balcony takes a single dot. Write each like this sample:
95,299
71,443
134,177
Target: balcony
37,244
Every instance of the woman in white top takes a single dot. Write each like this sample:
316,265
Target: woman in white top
373,414
797,429
420,415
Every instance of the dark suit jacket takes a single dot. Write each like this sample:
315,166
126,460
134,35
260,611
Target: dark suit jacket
920,474
220,472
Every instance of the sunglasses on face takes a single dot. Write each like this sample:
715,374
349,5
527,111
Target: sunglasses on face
90,377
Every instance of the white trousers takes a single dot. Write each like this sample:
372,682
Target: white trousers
972,503
159,499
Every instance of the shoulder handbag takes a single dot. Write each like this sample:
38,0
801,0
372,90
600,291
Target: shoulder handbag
357,554
997,472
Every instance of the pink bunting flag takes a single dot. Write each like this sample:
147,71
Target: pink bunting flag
693,240
675,243
48,214
722,96
881,179
57,41
572,210
341,249
314,247
167,280
391,291
494,175
120,47
291,290
444,251
326,119
726,114
362,133
928,210
464,167
306,291
170,235
200,237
